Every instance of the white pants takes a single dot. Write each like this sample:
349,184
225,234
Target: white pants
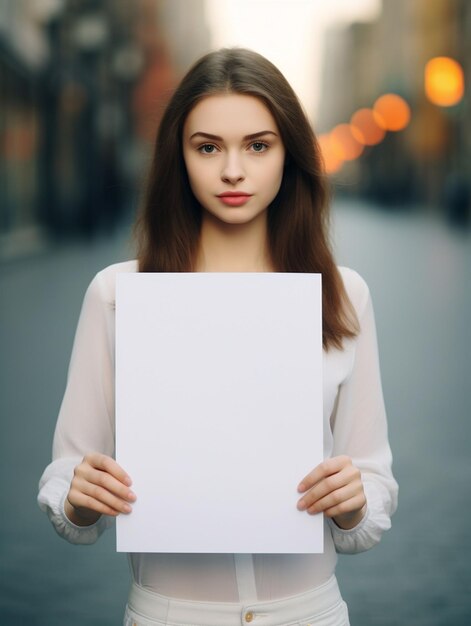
322,606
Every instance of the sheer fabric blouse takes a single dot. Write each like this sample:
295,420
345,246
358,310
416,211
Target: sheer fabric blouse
354,425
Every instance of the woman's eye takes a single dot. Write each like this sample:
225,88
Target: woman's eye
207,148
259,146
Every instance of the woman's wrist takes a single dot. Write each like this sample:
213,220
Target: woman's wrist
347,521
78,516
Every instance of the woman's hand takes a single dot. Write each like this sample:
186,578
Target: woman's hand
99,486
335,488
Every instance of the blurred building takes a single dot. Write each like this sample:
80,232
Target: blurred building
23,51
427,163
171,34
82,87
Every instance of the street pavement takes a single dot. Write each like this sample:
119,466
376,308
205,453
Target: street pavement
419,274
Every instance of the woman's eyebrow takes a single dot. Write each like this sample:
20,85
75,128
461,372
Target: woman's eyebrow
246,138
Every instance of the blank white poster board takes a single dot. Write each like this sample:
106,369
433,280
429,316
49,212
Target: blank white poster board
218,410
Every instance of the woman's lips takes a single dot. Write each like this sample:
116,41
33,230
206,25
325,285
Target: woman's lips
234,198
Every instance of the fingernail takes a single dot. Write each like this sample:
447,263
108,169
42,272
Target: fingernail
131,495
127,508
128,481
301,487
301,506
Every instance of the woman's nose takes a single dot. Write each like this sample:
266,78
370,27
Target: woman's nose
232,171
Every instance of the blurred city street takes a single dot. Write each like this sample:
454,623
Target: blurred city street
385,84
419,274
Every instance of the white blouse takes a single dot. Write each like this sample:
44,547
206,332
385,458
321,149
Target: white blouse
354,424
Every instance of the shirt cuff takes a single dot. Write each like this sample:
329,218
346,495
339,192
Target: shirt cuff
367,533
54,487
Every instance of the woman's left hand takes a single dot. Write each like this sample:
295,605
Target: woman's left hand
335,488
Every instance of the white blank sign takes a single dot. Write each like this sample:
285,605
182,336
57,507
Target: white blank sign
218,410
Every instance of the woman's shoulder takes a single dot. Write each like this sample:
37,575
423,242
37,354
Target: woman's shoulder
356,288
104,282
108,274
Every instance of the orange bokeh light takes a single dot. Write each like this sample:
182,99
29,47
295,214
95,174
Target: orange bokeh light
19,142
365,128
332,162
444,81
343,143
391,112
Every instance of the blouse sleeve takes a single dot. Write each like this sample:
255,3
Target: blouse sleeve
360,431
86,417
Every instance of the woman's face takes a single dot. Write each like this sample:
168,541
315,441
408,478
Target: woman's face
234,156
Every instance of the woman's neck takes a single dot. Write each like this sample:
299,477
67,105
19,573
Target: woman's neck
233,247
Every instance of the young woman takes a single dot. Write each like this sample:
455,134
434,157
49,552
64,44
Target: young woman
236,185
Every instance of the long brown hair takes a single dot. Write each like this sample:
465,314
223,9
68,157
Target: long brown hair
168,227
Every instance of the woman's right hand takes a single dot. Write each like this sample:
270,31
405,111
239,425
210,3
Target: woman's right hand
99,487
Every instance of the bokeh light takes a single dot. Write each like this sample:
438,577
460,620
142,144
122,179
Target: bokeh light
365,128
444,81
343,143
392,112
332,162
